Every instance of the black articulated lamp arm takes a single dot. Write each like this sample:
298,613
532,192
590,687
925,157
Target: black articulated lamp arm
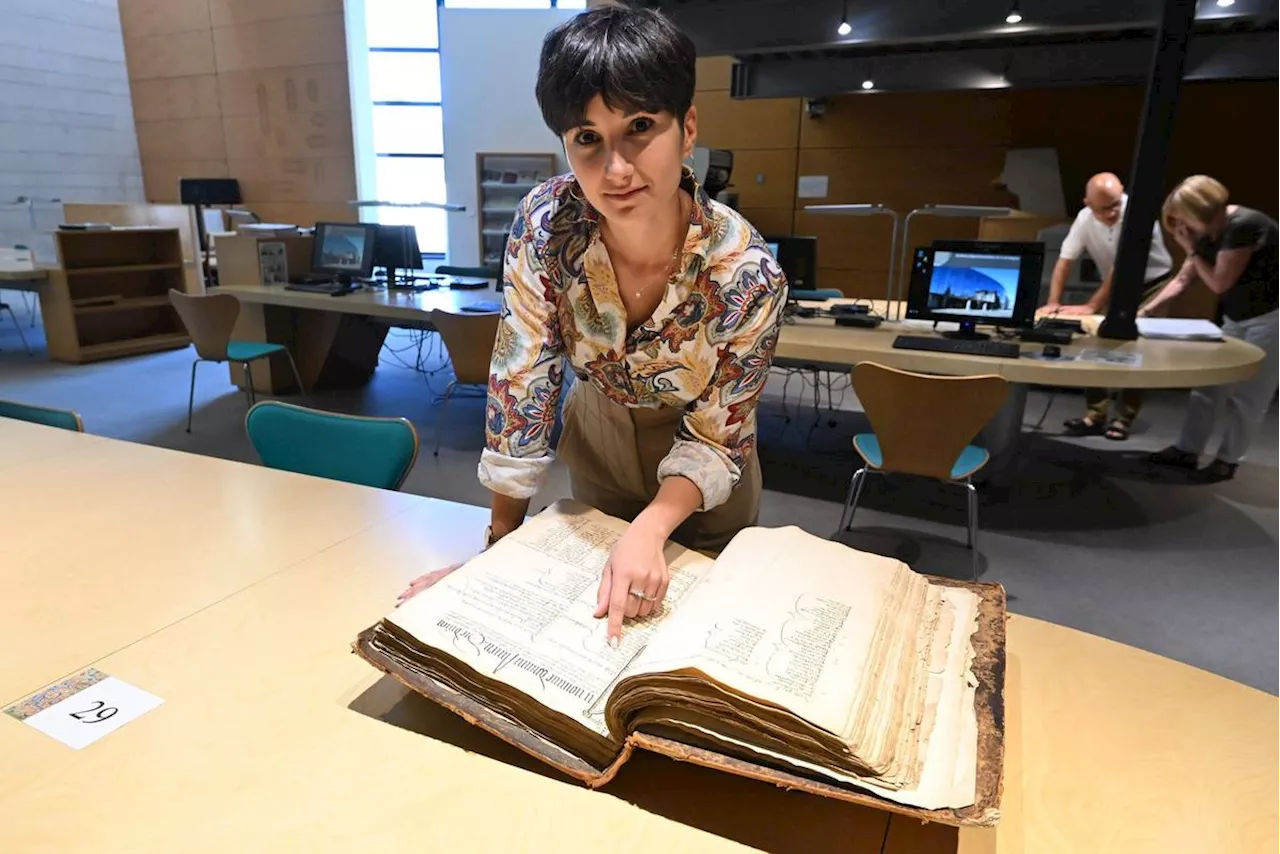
1150,156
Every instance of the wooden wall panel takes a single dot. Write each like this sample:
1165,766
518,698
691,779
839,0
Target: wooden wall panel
160,177
905,178
329,179
765,178
141,18
310,40
170,55
911,120
713,73
284,90
743,124
305,213
176,98
229,13
771,222
277,135
181,139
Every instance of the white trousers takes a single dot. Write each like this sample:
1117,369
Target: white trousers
1246,402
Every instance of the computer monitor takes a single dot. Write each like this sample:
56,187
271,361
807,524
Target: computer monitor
396,248
344,249
974,282
798,258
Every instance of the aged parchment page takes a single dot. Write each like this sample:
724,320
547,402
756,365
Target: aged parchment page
787,618
522,612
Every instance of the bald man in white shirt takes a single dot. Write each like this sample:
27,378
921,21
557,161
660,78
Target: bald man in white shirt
1096,230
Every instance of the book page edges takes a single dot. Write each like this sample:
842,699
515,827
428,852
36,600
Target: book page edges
490,721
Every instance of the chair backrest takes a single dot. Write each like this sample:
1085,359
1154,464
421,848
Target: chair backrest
64,418
469,272
209,320
368,451
469,339
922,421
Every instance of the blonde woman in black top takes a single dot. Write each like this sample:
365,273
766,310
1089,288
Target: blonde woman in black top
1232,249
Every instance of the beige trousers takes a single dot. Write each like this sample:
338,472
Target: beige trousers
613,452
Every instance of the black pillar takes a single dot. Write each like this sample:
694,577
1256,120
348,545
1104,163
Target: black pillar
1146,182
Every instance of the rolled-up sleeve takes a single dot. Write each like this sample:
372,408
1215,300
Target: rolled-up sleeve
526,372
717,433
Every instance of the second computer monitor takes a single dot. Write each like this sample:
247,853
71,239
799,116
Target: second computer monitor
397,248
973,282
798,258
344,249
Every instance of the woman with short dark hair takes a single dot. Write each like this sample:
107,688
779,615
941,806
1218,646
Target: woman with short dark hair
665,304
1232,249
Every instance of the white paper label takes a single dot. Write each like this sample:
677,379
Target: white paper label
87,716
812,187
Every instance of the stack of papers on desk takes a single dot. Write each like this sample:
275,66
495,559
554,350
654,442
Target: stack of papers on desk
1179,328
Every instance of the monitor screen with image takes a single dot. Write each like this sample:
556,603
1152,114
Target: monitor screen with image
976,282
981,286
344,249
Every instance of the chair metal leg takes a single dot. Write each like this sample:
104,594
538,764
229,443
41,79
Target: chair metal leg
851,500
973,524
302,390
18,326
248,384
191,396
444,410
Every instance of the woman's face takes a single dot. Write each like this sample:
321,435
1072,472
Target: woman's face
1188,225
629,165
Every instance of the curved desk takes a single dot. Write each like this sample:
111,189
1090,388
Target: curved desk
274,737
1165,364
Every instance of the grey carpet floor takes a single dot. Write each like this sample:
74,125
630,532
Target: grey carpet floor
1086,535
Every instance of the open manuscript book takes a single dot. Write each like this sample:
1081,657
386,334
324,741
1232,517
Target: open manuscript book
788,658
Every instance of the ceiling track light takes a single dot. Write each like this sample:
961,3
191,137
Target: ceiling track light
868,83
1225,3
844,29
1015,14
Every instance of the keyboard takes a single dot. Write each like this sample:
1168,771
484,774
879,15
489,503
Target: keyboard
965,347
317,288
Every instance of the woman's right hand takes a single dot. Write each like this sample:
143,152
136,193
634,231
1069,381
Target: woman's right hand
422,582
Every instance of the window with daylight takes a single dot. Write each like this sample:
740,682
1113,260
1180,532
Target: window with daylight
408,122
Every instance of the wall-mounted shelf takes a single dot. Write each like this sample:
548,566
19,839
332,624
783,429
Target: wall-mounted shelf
502,179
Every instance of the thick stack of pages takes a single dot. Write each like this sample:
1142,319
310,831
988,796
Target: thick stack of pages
787,651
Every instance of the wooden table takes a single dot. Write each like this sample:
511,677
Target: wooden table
274,737
334,339
1165,364
24,280
175,533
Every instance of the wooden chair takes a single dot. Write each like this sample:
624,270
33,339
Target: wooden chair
923,425
209,320
377,452
62,418
468,338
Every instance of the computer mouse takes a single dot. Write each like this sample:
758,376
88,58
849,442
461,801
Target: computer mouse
1051,351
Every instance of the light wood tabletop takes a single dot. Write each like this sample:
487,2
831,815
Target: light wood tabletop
398,305
1165,364
106,541
273,736
23,280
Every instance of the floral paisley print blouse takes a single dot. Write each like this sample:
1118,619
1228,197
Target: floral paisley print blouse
707,348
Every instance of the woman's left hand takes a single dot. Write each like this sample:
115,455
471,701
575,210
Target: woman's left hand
636,563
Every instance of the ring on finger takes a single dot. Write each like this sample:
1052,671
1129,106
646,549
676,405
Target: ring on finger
642,596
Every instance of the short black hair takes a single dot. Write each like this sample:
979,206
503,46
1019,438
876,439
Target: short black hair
636,59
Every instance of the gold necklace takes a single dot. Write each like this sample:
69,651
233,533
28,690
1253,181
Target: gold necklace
674,262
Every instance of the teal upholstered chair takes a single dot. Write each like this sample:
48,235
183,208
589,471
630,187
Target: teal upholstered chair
923,425
209,320
368,451
63,418
817,295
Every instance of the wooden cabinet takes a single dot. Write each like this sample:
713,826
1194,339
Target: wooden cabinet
502,180
109,295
